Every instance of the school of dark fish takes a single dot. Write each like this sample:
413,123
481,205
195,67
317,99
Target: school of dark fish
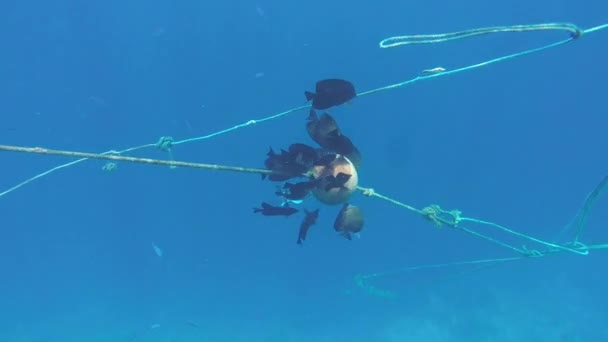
298,160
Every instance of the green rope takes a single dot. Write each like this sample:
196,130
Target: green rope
243,125
114,157
390,42
587,206
63,166
362,281
453,219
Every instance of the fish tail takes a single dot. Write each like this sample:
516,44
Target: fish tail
312,115
309,95
257,210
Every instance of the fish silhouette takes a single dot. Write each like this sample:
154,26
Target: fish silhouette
270,210
331,92
349,221
309,220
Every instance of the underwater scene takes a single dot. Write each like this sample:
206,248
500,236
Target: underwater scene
281,171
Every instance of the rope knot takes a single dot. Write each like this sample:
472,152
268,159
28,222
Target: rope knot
165,143
431,213
369,192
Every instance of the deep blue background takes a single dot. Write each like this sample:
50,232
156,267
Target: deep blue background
520,143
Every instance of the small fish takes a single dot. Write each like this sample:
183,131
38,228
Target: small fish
193,324
326,160
309,220
298,190
319,127
303,154
270,210
337,181
339,143
433,71
324,131
330,93
290,164
349,221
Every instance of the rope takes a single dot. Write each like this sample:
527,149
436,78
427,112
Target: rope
113,157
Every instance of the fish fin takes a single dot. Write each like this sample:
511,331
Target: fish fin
270,152
347,236
257,210
312,115
309,95
334,134
266,205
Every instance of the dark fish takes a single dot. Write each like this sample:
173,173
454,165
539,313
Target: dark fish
337,181
320,128
270,210
339,143
349,221
325,132
299,190
303,155
309,220
331,92
325,160
294,162
193,324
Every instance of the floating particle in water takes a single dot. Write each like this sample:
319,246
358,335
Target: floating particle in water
193,324
259,74
97,100
110,166
157,250
159,32
433,71
260,11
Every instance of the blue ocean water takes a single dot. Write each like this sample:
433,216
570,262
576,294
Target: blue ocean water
520,143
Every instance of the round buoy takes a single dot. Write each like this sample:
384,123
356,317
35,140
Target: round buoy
335,195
